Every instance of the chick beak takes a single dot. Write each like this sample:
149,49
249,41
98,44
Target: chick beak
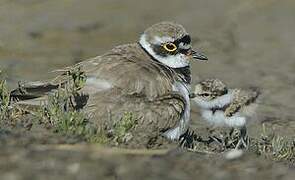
198,55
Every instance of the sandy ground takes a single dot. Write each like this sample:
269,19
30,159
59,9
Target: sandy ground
249,43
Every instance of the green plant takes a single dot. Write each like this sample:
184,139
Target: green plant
123,126
4,99
60,110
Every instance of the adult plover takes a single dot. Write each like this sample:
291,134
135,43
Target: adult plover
222,106
150,78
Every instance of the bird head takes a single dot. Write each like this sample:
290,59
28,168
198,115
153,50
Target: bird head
209,90
170,44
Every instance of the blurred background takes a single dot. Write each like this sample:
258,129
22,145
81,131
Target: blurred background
249,43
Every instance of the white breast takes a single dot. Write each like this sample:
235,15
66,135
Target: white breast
175,133
218,102
219,119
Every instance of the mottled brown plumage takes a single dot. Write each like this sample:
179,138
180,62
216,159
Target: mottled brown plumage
222,106
213,94
243,101
130,79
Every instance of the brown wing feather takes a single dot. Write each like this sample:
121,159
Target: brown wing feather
241,99
153,117
141,87
139,84
132,71
32,90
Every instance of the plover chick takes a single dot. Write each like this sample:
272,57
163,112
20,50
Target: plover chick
222,106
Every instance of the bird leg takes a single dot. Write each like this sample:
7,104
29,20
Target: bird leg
217,135
243,142
187,139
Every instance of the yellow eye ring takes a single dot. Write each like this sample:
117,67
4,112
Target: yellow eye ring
170,47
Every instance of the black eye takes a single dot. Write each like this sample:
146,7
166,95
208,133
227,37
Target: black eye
205,94
170,47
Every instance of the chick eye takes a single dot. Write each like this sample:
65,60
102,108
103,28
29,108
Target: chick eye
205,94
170,47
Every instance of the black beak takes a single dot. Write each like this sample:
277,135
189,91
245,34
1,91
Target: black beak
199,55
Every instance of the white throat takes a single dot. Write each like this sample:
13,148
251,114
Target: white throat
173,61
218,102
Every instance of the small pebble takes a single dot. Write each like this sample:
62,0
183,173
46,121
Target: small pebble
233,154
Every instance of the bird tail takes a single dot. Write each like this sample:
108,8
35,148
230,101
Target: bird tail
32,93
32,90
